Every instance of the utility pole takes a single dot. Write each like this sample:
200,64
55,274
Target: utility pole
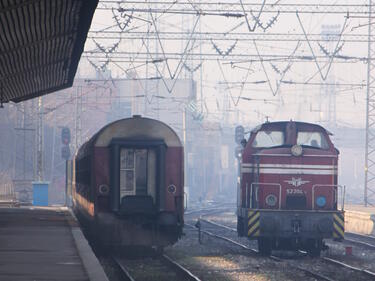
78,119
40,142
185,148
369,191
330,34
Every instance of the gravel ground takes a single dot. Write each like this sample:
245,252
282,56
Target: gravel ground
150,269
361,258
219,260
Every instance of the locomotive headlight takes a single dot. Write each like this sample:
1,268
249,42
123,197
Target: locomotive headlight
271,200
296,150
321,201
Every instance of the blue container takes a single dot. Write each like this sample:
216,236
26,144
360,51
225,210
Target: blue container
40,193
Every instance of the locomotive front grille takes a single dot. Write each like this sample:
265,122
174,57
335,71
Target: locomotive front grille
296,202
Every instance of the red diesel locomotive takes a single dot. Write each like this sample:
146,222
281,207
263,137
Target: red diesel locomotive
288,191
127,185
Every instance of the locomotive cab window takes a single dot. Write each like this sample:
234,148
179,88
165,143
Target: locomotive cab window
137,172
268,139
312,139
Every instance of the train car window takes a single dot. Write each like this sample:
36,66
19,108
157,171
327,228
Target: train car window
127,159
266,139
141,172
127,172
137,172
312,139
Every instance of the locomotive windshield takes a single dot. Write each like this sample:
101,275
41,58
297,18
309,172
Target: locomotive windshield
269,139
312,139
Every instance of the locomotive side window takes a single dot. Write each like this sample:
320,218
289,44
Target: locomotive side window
137,172
269,139
312,139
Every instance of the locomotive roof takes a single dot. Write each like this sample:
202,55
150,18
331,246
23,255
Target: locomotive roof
284,123
132,128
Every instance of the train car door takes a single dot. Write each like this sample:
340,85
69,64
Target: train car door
137,172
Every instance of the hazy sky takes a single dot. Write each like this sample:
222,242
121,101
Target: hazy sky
225,78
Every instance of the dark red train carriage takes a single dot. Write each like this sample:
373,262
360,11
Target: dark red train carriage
288,192
128,184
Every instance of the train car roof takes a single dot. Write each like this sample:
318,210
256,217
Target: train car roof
132,128
284,123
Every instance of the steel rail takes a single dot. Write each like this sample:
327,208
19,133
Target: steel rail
125,275
169,262
179,268
330,260
342,264
224,239
253,251
360,243
361,236
366,241
209,210
314,274
218,224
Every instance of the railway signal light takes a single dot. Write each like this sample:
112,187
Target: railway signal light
238,152
65,152
239,134
65,135
65,139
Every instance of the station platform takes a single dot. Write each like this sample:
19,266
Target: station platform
360,219
45,244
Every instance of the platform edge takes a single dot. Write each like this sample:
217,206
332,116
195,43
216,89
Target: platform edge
91,264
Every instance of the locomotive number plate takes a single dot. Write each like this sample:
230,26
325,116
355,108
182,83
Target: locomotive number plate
294,191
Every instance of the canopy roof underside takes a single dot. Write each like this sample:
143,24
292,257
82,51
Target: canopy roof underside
41,42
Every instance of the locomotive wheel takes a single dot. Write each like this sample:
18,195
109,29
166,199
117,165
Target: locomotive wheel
314,248
265,246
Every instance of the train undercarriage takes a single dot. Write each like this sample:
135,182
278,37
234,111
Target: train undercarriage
290,229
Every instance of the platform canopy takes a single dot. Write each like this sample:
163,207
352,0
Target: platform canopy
41,42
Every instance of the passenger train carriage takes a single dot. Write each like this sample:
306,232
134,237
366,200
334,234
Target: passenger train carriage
127,185
288,192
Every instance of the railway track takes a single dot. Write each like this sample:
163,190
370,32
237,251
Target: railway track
366,241
210,210
160,267
253,251
365,274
